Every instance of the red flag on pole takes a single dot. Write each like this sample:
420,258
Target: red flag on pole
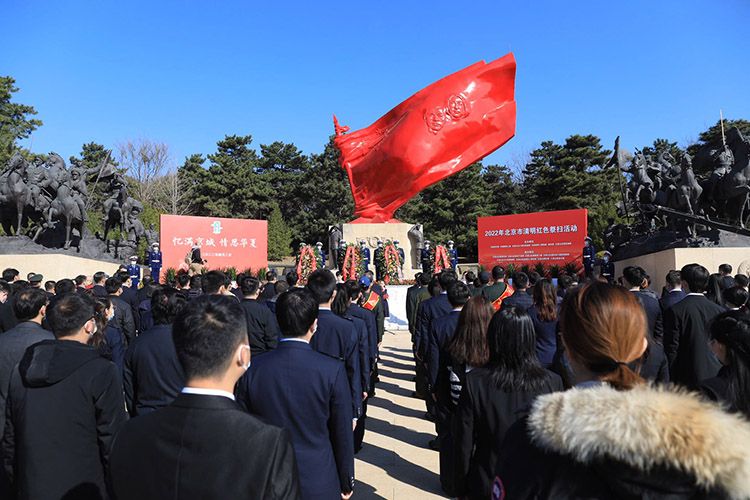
434,134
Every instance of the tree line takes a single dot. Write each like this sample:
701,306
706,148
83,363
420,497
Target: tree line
301,195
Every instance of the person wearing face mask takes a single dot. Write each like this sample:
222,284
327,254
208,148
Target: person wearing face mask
321,255
219,450
427,259
108,339
589,256
365,254
452,254
379,257
64,405
608,267
306,393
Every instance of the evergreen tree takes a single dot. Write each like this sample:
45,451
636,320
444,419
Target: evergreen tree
573,176
449,209
15,119
323,198
279,235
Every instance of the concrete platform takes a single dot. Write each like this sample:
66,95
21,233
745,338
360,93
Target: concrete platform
395,462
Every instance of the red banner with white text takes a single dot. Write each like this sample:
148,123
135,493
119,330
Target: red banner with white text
239,243
547,237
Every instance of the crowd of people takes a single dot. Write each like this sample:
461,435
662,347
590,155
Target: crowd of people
209,387
205,387
598,389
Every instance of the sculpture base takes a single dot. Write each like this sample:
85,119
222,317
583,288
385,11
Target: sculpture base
56,265
89,247
354,232
658,264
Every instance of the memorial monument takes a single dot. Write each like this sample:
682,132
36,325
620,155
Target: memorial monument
45,206
668,208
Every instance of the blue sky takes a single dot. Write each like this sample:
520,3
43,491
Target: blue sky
188,72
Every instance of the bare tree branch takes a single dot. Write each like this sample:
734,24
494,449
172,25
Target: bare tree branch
145,161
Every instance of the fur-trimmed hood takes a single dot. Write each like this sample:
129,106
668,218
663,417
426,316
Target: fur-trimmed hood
647,427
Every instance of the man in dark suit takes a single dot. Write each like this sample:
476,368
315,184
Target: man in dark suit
727,280
203,446
411,301
268,290
123,319
336,336
30,307
427,312
686,331
306,393
443,329
98,289
153,376
130,296
673,292
633,278
262,328
8,318
520,298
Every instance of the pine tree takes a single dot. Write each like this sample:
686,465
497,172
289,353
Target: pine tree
279,235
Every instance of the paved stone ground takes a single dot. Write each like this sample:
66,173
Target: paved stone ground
395,462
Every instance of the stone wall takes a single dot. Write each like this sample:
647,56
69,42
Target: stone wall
55,266
371,233
658,264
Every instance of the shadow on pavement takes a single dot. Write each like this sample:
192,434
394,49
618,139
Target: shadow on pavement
392,407
404,471
395,364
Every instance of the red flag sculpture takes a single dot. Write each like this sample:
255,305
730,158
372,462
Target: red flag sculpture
434,134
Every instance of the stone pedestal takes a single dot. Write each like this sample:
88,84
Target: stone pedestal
658,264
371,233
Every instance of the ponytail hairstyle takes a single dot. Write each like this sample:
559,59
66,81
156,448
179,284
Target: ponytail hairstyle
732,330
603,328
101,305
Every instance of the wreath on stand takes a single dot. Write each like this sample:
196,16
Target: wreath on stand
392,264
441,259
307,262
353,267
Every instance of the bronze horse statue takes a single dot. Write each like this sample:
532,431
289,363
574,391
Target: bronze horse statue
732,189
65,207
14,192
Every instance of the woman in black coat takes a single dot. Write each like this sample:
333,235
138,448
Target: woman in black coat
544,314
494,397
730,341
614,436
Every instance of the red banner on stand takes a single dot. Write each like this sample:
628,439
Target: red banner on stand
239,243
547,237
